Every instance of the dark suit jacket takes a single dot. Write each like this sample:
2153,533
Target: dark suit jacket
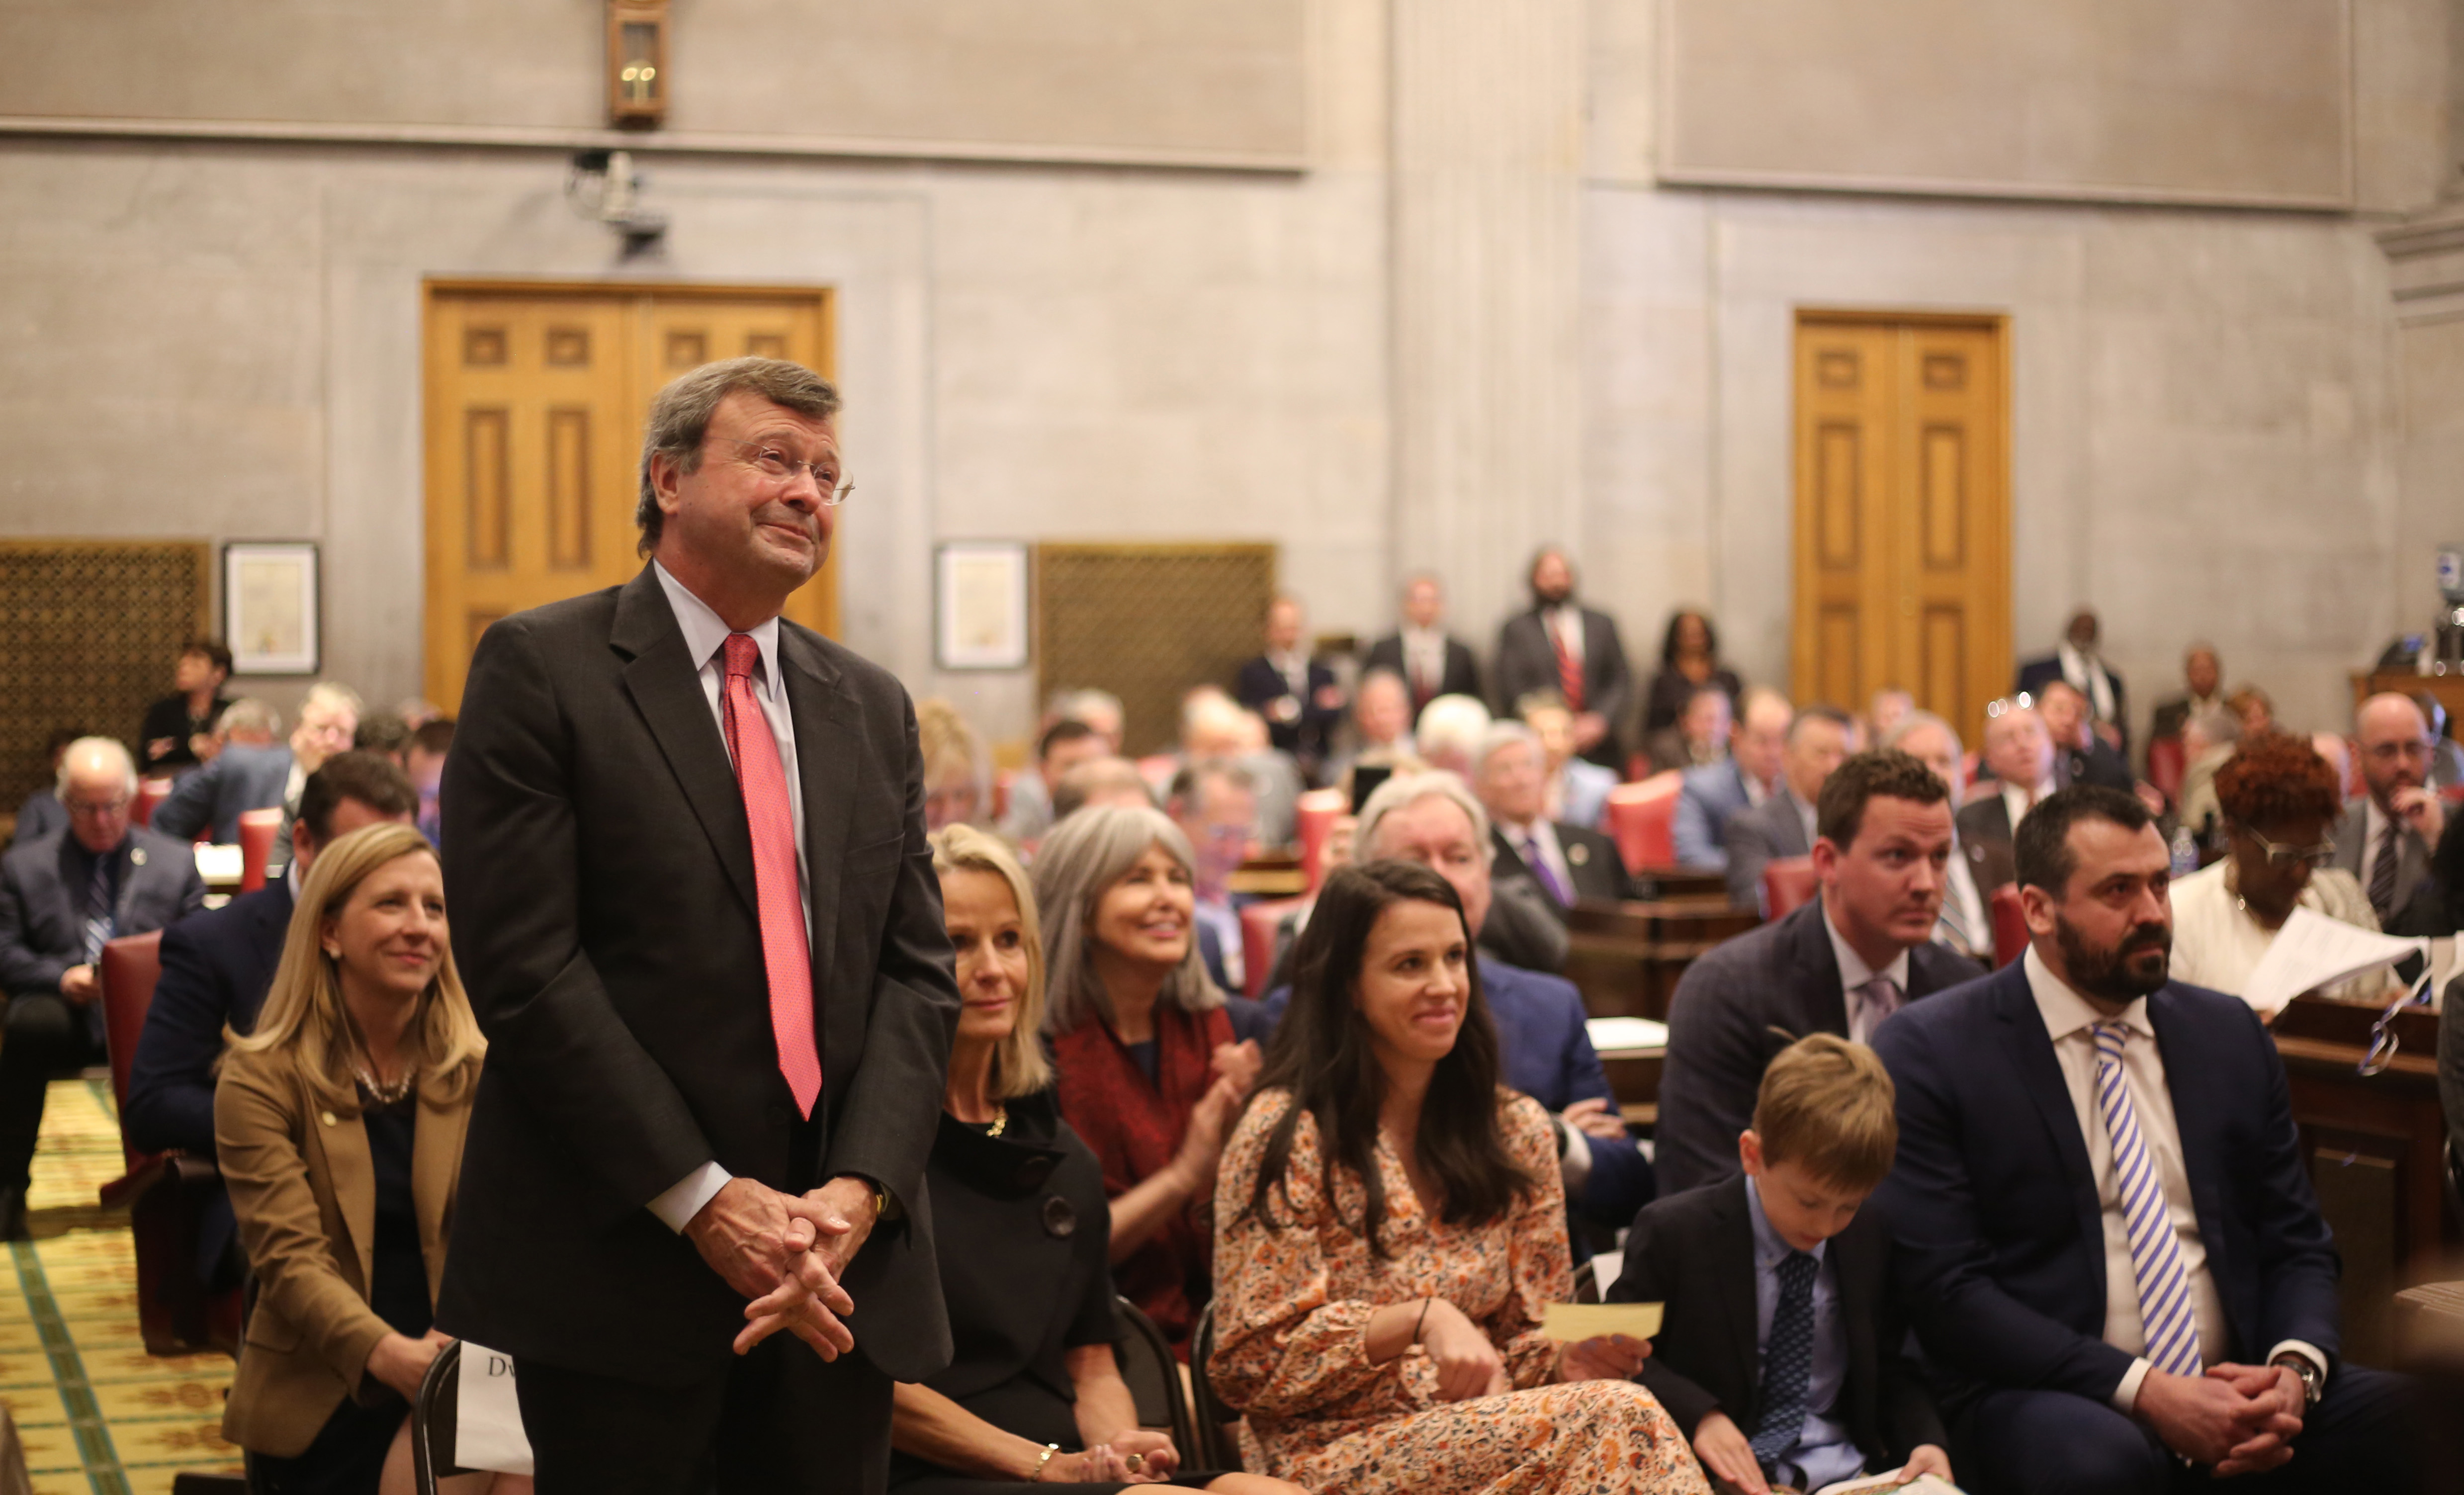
1694,1252
1737,1007
1307,736
2172,715
41,933
1526,661
1995,1208
2413,861
2035,674
240,777
1462,675
41,814
1544,1050
1769,832
215,971
2099,764
1985,835
599,870
1593,865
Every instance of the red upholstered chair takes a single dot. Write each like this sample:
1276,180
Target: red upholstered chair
1317,811
1257,924
1788,885
2164,766
257,829
1643,818
165,1193
2009,926
151,794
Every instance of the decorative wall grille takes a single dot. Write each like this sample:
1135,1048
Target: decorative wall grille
1148,622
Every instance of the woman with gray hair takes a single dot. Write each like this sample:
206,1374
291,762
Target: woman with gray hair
1150,1076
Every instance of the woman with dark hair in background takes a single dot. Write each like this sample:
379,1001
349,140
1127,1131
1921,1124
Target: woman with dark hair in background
1689,659
1393,1229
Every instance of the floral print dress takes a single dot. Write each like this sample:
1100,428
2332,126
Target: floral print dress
1291,1326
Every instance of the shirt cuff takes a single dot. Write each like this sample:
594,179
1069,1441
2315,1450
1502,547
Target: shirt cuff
1575,1159
2307,1350
683,1201
2125,1395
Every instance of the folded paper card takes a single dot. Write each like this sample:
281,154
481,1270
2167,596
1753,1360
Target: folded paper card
1627,1035
1567,1322
486,1419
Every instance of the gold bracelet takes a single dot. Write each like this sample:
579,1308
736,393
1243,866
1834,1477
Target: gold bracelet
1046,1457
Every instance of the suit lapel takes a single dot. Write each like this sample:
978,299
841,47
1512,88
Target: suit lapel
2185,1081
1819,978
1733,1236
667,690
828,755
351,1173
435,1162
2032,1054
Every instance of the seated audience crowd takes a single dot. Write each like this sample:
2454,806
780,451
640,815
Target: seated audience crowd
2047,1227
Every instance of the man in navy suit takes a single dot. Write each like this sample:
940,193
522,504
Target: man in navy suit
216,968
2110,1246
1296,694
1716,793
1546,1051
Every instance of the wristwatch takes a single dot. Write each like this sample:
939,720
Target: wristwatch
2314,1383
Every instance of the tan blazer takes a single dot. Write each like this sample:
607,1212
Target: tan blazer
304,1187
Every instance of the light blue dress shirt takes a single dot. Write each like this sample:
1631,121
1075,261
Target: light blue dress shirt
1824,1454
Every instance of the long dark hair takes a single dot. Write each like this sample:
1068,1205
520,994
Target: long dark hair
1321,1054
1677,625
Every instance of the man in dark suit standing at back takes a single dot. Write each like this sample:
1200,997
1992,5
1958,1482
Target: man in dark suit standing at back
2076,659
1841,964
2108,1237
1431,661
1296,694
1565,646
694,909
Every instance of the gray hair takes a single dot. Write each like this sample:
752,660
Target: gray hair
333,692
83,747
680,418
1193,777
1094,777
1451,723
1075,704
1084,856
1405,790
1918,720
1498,739
247,713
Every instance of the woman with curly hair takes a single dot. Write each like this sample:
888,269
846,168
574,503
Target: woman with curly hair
2279,805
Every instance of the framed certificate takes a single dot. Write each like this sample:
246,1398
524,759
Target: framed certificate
270,607
980,605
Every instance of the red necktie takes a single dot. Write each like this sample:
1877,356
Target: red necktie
785,953
1570,669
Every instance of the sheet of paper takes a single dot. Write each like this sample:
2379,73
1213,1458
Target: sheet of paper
488,1421
1623,1036
1922,1484
218,864
2312,951
1567,1322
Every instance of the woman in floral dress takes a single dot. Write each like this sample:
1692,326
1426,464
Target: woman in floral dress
1390,1229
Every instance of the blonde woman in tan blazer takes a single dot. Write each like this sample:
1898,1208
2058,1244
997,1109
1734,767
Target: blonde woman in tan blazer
338,1126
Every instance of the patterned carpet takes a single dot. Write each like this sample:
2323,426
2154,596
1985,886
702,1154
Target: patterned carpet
96,1413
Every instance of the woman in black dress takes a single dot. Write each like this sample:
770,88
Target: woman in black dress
1689,659
1033,1395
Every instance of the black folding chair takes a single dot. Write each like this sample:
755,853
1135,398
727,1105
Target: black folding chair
432,1418
1215,1447
1154,1377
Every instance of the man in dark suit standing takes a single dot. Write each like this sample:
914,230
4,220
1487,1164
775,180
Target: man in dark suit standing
684,847
2109,1240
1568,864
216,968
1295,693
2076,660
1841,964
62,898
1564,646
1431,661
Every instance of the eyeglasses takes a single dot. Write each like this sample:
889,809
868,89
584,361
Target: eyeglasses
2020,702
775,463
2278,855
92,809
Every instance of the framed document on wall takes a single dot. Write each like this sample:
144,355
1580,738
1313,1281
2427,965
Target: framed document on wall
980,605
270,607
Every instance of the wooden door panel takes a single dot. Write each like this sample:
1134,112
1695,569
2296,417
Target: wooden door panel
1902,511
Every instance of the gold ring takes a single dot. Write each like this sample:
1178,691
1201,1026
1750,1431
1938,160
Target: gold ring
1136,1462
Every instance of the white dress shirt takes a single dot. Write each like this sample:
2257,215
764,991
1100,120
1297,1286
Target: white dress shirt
705,644
1854,972
2087,673
1424,659
1565,624
2016,801
2069,1019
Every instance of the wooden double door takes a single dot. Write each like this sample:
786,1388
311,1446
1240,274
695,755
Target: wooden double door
1902,537
536,397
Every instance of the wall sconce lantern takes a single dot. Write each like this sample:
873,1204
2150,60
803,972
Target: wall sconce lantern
637,63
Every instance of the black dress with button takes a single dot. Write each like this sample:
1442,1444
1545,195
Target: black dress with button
1024,1233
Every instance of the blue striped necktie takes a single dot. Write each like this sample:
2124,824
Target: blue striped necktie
2167,1316
98,909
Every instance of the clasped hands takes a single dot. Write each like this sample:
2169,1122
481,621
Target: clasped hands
2240,1419
1469,1365
787,1253
1109,1464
